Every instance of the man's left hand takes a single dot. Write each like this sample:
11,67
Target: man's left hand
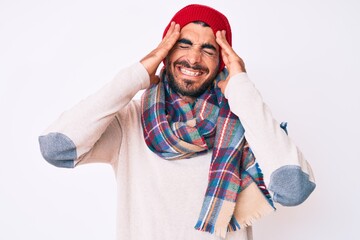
233,62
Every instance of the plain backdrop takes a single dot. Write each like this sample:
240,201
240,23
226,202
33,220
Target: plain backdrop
303,56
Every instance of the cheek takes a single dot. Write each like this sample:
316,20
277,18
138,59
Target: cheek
213,65
174,54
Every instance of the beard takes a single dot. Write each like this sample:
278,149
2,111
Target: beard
188,91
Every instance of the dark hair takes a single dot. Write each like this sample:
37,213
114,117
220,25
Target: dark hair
204,24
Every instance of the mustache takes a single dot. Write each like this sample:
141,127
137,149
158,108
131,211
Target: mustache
196,67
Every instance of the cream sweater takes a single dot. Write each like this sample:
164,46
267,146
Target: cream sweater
160,199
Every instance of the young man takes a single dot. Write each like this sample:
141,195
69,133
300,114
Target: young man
200,149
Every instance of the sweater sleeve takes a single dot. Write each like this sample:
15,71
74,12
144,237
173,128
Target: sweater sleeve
287,174
90,131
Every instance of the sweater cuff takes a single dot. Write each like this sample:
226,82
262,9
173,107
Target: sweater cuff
143,75
235,80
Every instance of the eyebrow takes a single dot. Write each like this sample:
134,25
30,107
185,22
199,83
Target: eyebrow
209,46
205,45
185,41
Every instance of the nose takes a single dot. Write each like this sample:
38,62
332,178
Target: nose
194,56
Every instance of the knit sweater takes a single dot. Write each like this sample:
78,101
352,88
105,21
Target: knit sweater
160,199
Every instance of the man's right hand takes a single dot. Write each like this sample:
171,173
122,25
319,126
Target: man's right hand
152,61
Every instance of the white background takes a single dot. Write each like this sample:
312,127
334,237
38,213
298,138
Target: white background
303,56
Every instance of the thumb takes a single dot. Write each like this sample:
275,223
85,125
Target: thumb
222,85
154,79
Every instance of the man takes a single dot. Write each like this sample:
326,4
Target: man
201,145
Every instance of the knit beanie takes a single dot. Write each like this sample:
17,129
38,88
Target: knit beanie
195,12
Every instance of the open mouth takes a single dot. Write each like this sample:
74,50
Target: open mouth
190,72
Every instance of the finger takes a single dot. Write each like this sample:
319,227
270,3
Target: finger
171,37
170,30
221,39
174,34
224,44
173,29
222,85
231,59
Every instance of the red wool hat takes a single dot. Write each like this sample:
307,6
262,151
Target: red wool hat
195,12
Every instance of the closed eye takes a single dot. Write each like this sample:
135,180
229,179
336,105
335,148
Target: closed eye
209,49
184,46
210,53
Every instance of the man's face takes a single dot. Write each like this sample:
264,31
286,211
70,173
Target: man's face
193,62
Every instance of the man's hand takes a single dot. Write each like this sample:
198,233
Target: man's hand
232,61
154,58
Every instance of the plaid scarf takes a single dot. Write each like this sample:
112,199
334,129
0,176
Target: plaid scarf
175,129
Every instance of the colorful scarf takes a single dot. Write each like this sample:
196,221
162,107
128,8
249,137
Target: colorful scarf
175,129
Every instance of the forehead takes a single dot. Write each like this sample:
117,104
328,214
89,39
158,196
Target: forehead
198,34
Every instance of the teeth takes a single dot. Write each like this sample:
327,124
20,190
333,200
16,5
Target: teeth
190,73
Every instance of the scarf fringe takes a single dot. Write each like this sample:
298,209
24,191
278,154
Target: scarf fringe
252,205
222,229
225,221
205,228
260,213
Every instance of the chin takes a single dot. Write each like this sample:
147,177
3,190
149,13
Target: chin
179,86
